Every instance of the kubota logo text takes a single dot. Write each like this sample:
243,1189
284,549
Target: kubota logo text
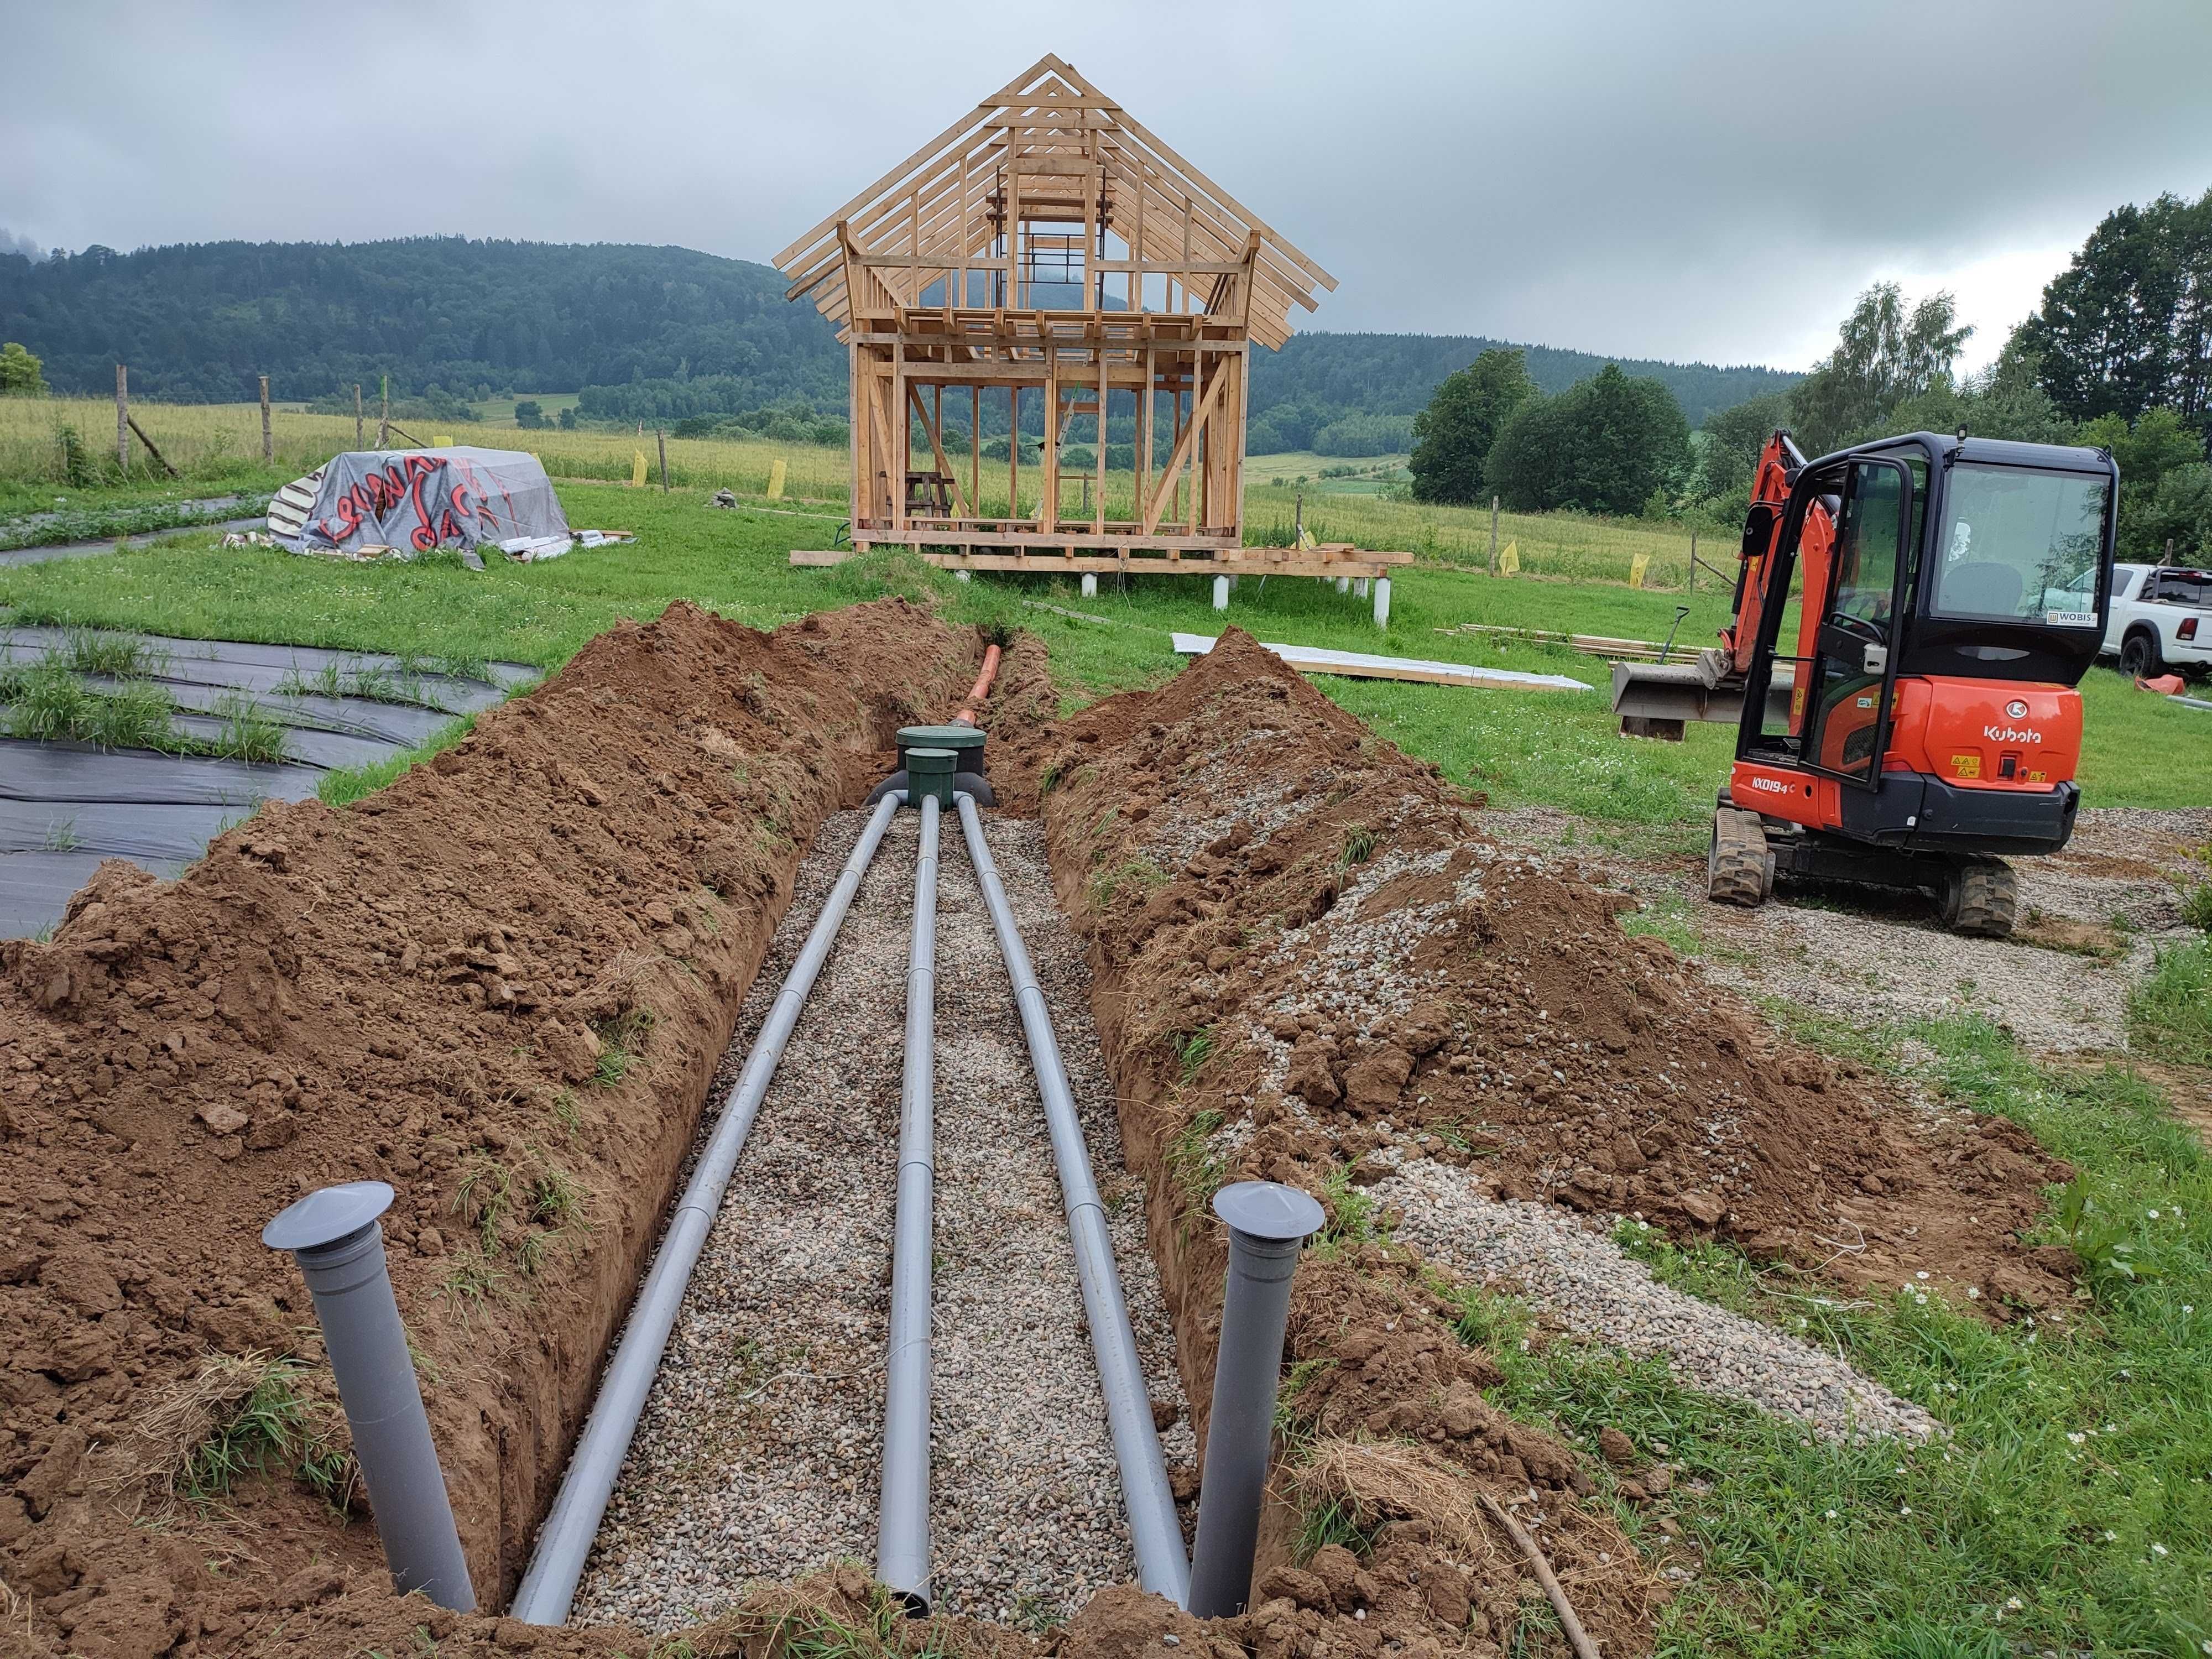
2012,734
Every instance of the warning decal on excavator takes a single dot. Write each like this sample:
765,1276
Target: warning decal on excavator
1966,766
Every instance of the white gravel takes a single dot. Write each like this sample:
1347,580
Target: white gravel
1589,1285
758,1453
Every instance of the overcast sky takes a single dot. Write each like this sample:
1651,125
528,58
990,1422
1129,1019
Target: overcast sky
1683,180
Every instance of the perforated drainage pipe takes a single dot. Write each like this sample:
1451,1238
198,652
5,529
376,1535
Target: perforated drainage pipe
566,1539
1161,1566
903,1524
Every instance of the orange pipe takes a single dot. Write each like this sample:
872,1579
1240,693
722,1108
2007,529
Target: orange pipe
981,689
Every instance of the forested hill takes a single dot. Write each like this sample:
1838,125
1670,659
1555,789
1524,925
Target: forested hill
199,321
645,332
1395,373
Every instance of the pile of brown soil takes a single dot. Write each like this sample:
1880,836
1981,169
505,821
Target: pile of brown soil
502,985
1367,966
1306,950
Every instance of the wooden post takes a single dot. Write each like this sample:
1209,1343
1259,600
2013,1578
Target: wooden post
1098,513
123,419
267,449
661,438
1693,562
356,415
1013,451
384,419
1494,535
975,438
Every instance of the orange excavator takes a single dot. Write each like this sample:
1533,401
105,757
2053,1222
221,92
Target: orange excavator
1941,598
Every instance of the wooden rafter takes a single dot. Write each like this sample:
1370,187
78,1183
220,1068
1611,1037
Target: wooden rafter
940,211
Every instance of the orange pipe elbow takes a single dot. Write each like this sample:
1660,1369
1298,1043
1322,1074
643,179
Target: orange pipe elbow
981,689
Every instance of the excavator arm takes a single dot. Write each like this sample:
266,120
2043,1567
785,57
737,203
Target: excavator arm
1778,466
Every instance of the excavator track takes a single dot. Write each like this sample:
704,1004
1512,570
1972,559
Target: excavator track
1982,898
1739,865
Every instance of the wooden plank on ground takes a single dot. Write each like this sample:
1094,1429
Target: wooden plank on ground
1359,665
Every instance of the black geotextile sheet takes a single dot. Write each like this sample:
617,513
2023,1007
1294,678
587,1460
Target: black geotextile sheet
265,667
35,888
78,772
120,829
305,745
397,724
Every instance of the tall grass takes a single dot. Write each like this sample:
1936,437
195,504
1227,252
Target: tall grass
43,439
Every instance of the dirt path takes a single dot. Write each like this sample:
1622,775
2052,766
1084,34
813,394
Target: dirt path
758,1455
2092,920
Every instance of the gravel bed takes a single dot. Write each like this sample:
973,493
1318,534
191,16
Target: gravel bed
758,1453
1864,954
1587,1283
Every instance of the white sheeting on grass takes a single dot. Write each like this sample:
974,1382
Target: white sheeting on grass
1358,664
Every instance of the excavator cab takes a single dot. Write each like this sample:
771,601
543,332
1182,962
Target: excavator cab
1912,617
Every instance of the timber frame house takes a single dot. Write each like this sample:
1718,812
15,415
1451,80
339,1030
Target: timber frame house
1047,258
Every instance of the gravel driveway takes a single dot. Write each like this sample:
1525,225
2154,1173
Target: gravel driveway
2093,919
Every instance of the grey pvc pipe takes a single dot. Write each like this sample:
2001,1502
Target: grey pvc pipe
335,1237
902,1522
565,1541
1153,1528
1268,1225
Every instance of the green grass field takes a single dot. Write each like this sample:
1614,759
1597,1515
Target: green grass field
1559,748
2068,1512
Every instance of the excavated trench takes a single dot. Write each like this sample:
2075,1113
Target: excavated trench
1304,960
758,1455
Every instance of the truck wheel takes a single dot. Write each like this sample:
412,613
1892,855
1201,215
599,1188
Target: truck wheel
1981,898
2139,655
1739,866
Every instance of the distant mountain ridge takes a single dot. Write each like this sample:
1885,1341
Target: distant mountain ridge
665,330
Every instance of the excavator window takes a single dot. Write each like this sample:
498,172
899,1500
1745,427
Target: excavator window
2016,541
1857,632
1867,546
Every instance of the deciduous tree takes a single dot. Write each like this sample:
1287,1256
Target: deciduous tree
1452,437
2127,326
1603,445
22,374
1883,355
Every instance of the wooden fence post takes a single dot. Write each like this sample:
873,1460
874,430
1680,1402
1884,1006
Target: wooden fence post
123,419
1494,535
384,419
267,449
356,415
1693,562
661,438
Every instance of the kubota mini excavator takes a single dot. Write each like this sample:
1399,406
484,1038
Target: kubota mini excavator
1932,592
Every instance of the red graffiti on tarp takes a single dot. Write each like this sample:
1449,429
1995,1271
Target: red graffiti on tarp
406,482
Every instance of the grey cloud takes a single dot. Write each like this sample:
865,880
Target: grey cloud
1711,180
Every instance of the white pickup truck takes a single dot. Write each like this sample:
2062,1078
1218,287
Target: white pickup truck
2161,617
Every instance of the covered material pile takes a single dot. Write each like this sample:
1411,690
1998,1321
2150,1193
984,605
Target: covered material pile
376,503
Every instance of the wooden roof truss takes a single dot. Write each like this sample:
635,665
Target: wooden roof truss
1047,242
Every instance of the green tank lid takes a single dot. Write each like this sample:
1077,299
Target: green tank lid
939,737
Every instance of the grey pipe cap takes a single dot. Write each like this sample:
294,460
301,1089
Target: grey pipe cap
1269,1210
327,1217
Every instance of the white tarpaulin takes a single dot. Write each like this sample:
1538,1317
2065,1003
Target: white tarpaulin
404,501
